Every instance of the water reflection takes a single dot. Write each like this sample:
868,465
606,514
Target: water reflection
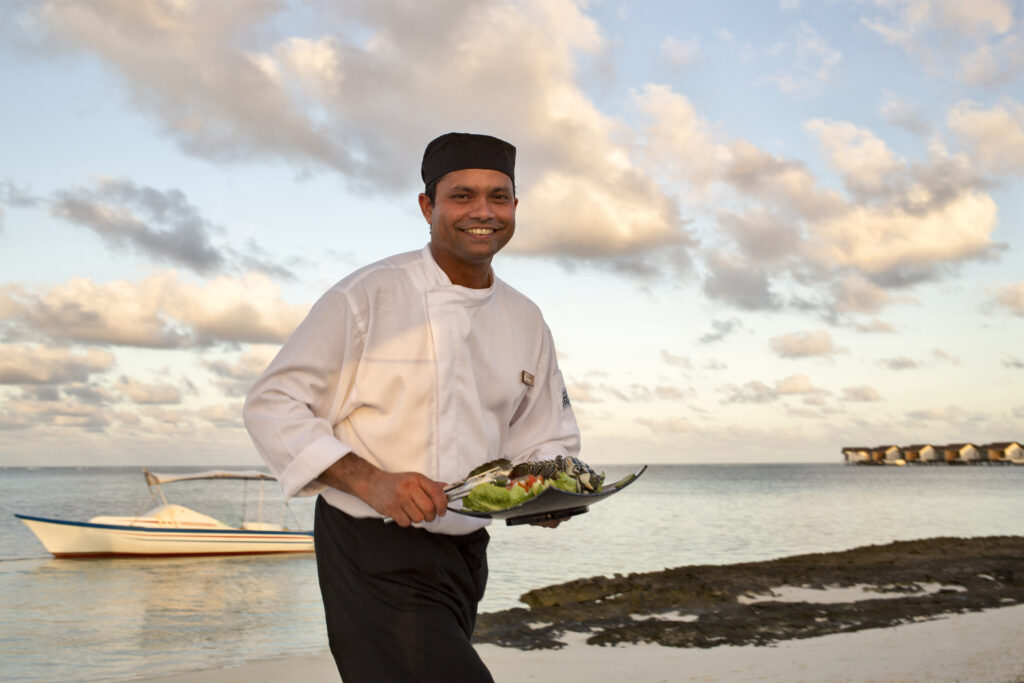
116,617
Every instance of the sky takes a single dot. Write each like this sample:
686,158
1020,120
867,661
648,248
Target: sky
759,231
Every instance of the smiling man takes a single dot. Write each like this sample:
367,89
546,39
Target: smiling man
406,375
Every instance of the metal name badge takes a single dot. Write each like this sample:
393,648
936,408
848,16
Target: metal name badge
527,379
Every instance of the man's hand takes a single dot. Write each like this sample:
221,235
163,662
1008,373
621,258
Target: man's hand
407,497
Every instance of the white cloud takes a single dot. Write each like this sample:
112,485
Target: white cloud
813,61
678,141
905,114
899,245
751,392
160,311
1012,297
864,160
340,100
42,365
796,385
900,363
861,394
973,39
856,294
953,414
143,393
236,376
995,136
674,360
680,53
804,344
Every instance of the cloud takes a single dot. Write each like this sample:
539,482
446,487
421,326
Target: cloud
158,312
861,394
894,246
222,81
761,235
865,161
739,283
804,344
969,38
680,54
1012,298
813,61
48,409
856,294
722,329
995,136
1012,361
875,325
900,363
148,394
236,376
677,140
796,385
162,225
674,360
905,114
952,414
41,365
759,392
751,392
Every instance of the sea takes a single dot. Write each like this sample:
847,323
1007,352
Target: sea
124,619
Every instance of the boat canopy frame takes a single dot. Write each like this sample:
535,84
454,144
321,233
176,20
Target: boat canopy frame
157,479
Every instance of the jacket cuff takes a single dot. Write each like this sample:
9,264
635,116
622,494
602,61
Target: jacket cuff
299,478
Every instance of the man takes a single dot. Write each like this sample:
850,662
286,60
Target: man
406,375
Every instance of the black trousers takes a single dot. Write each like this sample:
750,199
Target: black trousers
400,602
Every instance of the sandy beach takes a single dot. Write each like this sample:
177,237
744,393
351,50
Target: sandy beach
942,609
983,647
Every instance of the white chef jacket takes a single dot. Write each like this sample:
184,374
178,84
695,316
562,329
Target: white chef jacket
411,373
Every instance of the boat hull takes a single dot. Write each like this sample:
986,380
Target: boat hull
64,538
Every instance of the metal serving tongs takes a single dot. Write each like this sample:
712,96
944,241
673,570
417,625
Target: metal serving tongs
497,472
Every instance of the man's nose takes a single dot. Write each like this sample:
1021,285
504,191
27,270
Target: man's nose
481,208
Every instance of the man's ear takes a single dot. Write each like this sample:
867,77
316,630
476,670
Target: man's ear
426,206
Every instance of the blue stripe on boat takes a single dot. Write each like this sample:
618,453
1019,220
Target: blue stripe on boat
179,530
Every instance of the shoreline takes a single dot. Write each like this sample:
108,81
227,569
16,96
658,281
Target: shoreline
987,648
941,609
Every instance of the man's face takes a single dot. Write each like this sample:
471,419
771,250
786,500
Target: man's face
472,217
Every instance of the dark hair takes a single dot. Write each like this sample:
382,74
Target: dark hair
431,191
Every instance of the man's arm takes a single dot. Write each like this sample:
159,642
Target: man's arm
405,497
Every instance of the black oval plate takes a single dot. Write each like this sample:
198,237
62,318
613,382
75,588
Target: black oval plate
552,503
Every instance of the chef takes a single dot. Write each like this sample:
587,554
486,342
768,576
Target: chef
406,375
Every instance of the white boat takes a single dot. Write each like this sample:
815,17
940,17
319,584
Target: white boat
168,529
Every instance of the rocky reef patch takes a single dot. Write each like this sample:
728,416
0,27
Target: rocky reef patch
760,603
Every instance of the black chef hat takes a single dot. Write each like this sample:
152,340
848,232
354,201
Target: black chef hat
456,151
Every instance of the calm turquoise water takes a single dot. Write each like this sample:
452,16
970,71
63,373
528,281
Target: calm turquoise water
81,620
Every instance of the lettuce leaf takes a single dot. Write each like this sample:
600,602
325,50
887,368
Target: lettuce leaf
490,497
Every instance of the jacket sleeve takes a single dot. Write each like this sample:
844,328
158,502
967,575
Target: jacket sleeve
291,410
544,425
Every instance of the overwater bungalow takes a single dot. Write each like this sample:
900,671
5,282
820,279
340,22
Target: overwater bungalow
1003,451
857,455
958,453
887,455
997,452
920,453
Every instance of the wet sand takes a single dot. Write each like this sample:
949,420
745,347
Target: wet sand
930,610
